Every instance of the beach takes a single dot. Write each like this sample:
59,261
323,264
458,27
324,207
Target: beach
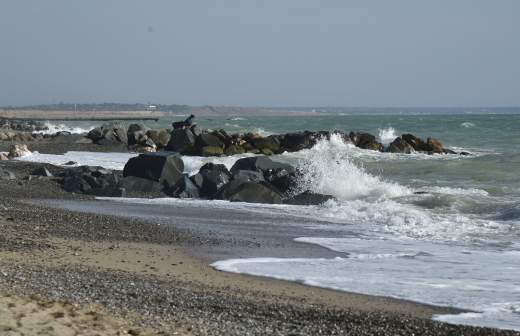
146,275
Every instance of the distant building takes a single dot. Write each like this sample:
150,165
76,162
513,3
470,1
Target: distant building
152,107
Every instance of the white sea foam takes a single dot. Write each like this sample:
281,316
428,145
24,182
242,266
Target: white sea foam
54,128
106,160
467,124
387,135
439,274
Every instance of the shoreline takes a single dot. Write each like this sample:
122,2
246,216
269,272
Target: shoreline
95,258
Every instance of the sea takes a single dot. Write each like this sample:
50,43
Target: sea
436,229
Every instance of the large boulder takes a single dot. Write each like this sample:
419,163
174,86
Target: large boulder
417,143
365,141
184,188
208,140
252,192
212,151
280,175
89,180
435,146
18,150
308,198
164,167
160,137
293,142
182,140
234,149
109,134
399,146
211,178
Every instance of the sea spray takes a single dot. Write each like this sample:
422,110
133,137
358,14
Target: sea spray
386,135
328,168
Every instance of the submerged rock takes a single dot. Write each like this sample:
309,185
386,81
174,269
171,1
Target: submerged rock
434,146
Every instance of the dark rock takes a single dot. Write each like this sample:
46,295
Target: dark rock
214,177
207,139
184,188
434,145
417,143
70,163
465,153
42,171
293,142
139,184
252,192
222,136
163,167
248,175
261,164
400,146
182,140
308,198
196,130
197,180
365,141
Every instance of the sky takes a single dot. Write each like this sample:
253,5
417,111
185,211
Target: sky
381,53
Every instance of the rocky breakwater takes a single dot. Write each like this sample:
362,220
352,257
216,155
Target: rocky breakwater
202,142
253,180
22,125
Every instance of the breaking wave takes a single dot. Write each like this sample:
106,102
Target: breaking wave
387,135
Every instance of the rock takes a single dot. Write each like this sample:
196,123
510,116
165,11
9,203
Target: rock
161,138
42,171
252,192
214,177
109,134
248,175
6,174
184,188
293,142
182,140
234,150
18,150
400,146
70,163
434,145
308,198
267,145
417,143
139,184
163,167
135,133
365,141
197,180
465,153
208,140
3,157
222,136
196,130
261,164
280,175
84,140
212,151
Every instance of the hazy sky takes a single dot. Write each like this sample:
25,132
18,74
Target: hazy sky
261,53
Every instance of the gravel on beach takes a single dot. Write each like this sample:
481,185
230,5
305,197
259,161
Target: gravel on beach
165,305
